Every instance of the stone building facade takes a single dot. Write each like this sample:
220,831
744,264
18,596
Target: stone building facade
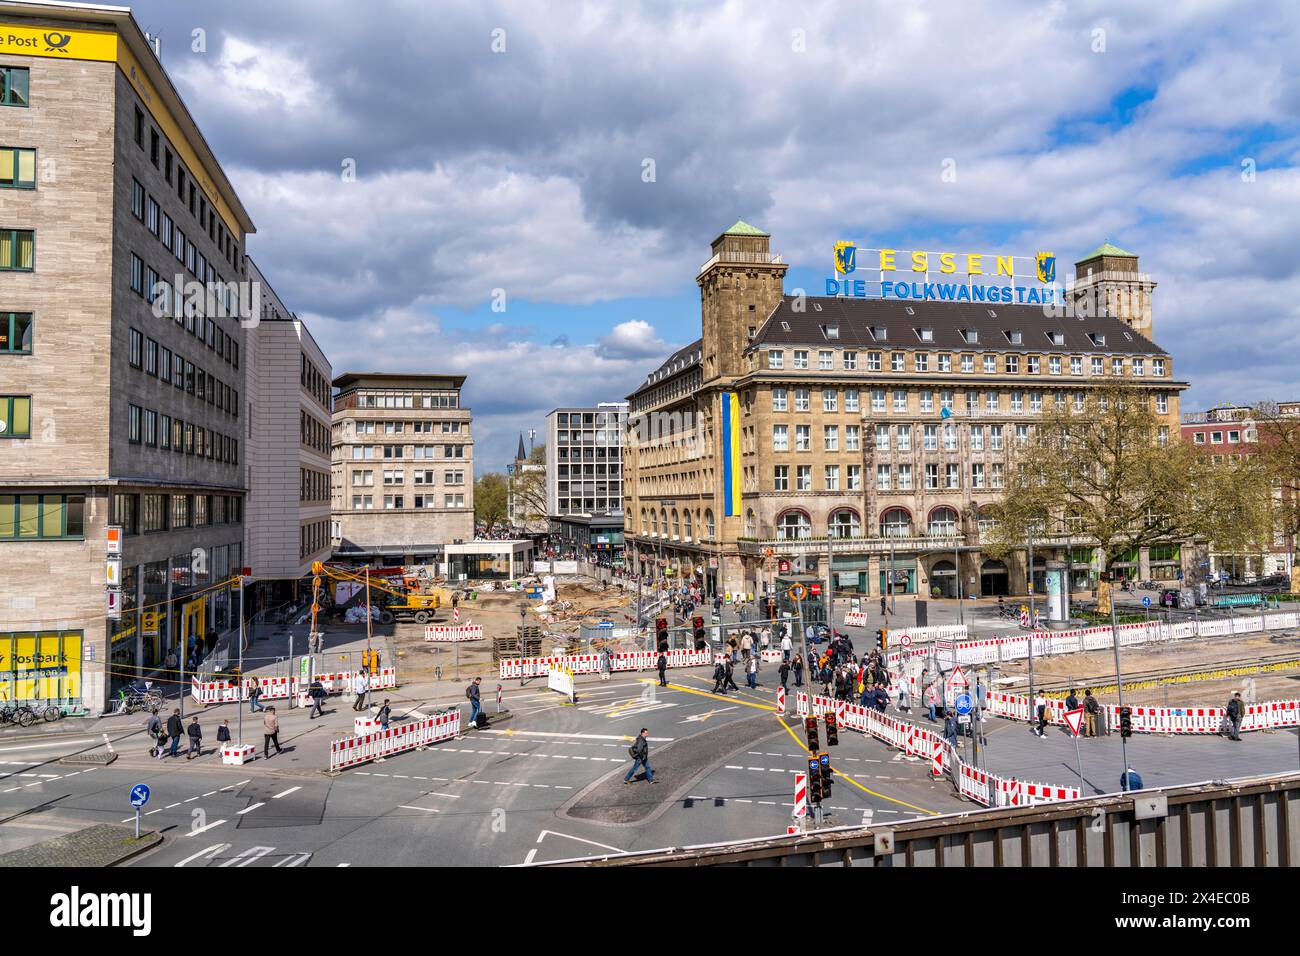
874,428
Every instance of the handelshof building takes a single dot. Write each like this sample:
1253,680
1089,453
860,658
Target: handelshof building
121,375
1233,431
872,426
402,467
288,447
584,477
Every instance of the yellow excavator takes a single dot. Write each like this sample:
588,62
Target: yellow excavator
406,601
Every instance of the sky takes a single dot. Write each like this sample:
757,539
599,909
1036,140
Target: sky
524,192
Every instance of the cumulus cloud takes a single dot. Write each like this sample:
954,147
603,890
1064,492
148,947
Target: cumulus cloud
634,339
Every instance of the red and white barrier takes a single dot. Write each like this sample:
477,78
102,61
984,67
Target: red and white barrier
281,688
237,756
780,700
353,751
446,634
590,663
800,795
1268,715
855,618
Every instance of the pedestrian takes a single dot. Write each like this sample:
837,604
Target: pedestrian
385,712
798,670
882,697
316,691
786,647
360,684
196,739
475,704
1129,780
662,665
950,727
784,671
904,695
720,677
1236,713
606,663
223,734
731,676
884,606
640,754
175,730
254,692
1040,710
1090,710
735,650
270,733
751,672
1071,701
931,701
154,729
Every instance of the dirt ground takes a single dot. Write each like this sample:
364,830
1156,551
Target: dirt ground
1141,664
498,612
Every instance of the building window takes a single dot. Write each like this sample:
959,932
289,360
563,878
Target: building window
853,478
802,437
873,361
1139,366
1054,365
793,526
775,358
17,250
830,400
850,360
1158,367
16,332
852,437
1031,365
896,361
831,437
781,478
943,521
977,476
35,517
180,511
801,400
1117,366
825,359
780,437
800,358
133,424
990,364
803,478
921,361
851,400
1198,438
931,477
896,523
780,402
150,427
15,416
883,478
904,477
14,86
1012,364
844,524
968,363
1076,365
882,438
17,168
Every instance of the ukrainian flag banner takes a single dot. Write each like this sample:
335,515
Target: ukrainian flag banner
730,453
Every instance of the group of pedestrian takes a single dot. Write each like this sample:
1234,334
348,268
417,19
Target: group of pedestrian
167,736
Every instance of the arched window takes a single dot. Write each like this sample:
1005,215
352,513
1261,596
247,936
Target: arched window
709,531
943,521
751,524
654,523
645,525
677,525
845,524
686,516
663,520
793,526
896,523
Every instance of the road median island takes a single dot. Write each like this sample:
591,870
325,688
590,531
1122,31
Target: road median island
678,766
94,846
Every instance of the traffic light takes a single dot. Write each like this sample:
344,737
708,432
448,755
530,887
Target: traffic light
824,766
832,730
1126,722
697,623
810,725
882,638
814,780
661,633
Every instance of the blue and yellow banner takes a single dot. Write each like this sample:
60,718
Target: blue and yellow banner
731,486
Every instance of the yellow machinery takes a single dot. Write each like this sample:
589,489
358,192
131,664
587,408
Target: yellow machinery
407,601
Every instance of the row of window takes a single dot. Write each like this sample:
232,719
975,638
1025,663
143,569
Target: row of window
150,513
365,477
398,502
401,428
894,523
35,517
147,427
899,400
943,362
1216,438
661,516
313,537
404,400
192,312
313,485
311,379
160,362
186,189
313,433
375,452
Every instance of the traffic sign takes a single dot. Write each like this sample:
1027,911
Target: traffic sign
139,795
957,679
798,592
905,641
1074,718
1146,601
964,704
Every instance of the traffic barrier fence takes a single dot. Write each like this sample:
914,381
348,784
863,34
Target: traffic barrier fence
363,748
448,634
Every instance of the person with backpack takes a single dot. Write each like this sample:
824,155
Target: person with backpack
384,714
316,691
1071,702
254,692
475,706
1090,711
196,739
223,734
640,754
1040,710
1236,713
154,728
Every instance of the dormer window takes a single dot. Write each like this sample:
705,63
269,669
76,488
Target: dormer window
1098,338
831,331
1058,338
925,335
878,333
910,310
971,336
785,326
1014,336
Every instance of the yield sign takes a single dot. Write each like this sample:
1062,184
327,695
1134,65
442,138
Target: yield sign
957,679
1075,719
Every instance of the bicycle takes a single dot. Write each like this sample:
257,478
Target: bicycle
19,714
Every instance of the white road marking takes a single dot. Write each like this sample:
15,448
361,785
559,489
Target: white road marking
247,809
548,733
529,858
298,860
285,793
567,836
252,854
403,806
51,745
205,829
210,851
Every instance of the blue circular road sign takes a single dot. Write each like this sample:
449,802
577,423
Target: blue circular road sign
139,795
964,704
1146,602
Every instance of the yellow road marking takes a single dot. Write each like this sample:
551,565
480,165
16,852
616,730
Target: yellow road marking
902,803
705,693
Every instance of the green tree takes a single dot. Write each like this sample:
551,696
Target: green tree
490,494
528,487
1277,441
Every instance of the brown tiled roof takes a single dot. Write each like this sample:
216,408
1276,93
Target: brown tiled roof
688,355
856,317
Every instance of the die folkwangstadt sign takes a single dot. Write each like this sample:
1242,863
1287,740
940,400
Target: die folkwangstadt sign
944,276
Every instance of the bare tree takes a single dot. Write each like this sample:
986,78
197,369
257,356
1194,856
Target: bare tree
1278,440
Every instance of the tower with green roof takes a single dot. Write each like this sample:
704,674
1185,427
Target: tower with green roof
1108,281
740,285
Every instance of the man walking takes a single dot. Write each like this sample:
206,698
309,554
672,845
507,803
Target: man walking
751,672
316,691
640,754
196,739
1236,712
1040,710
730,671
475,705
784,671
786,647
360,684
270,733
1090,710
720,678
175,730
662,665
385,712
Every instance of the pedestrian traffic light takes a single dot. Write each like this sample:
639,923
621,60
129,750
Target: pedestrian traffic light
697,624
814,779
661,633
825,773
832,730
1126,721
810,726
882,638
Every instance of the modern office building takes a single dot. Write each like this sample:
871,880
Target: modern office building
402,468
122,378
877,421
584,478
288,424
